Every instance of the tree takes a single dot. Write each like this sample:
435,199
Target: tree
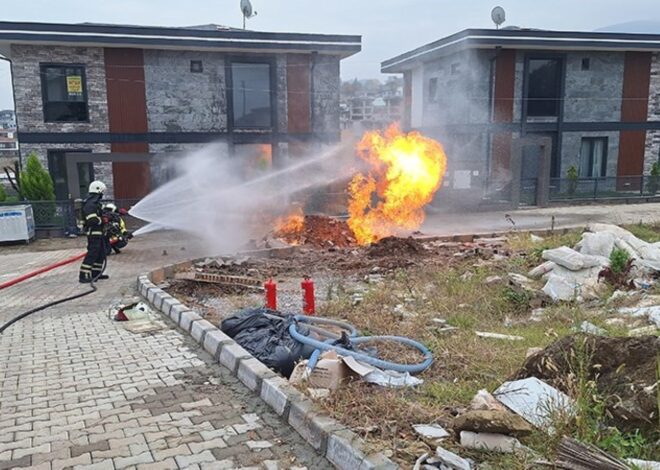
36,183
37,187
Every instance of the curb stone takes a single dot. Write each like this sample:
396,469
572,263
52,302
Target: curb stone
342,447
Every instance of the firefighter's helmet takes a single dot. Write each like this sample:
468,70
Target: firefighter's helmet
97,187
110,207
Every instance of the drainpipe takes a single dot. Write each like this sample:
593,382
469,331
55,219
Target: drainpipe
13,92
311,94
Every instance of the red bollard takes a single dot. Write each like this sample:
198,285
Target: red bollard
271,294
308,296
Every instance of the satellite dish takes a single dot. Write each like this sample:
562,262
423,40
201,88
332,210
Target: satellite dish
498,15
246,9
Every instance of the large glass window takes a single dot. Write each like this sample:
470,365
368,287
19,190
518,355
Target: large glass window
64,93
593,157
251,95
543,87
57,170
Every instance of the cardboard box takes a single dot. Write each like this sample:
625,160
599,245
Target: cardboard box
330,372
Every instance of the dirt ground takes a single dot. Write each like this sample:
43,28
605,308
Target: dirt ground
438,293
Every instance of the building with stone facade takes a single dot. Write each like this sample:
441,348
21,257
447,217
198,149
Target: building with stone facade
595,97
142,92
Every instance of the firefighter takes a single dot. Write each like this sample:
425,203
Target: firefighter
116,234
93,220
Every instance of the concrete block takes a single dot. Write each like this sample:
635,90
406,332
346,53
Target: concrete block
313,427
167,305
187,318
489,442
176,311
344,451
274,392
152,292
214,340
157,276
451,460
231,355
200,328
169,270
252,372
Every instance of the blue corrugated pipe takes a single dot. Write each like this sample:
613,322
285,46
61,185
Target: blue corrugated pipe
326,345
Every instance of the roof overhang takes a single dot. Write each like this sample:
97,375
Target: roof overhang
520,39
147,37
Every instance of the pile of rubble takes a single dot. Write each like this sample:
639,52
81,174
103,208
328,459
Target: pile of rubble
622,368
321,232
574,273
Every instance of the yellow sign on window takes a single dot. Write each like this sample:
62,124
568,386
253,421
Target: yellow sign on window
74,85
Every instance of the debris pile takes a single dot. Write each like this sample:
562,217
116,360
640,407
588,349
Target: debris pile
575,274
318,231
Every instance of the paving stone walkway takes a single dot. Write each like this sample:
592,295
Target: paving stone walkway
78,390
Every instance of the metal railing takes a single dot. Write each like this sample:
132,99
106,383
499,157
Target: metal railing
605,187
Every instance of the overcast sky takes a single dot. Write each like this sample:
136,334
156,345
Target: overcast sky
388,27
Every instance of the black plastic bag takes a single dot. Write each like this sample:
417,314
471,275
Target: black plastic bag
267,339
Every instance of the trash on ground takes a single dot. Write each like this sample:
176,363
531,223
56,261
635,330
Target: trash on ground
572,455
587,327
483,400
652,314
492,421
385,378
490,442
534,400
266,336
623,368
644,464
450,460
483,334
133,311
318,393
431,431
330,372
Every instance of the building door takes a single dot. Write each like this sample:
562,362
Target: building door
57,170
531,168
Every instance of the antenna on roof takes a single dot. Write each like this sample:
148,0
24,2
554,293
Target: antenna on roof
498,15
246,9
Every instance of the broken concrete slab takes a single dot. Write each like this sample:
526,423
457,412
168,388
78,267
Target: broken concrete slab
431,431
451,460
490,442
534,400
571,259
483,400
587,327
652,313
492,421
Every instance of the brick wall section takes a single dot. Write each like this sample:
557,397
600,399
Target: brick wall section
179,100
652,148
27,86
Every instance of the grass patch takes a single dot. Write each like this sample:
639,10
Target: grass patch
648,233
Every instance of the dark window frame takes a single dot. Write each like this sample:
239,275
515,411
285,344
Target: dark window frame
433,89
603,165
561,58
251,59
44,89
196,66
50,158
586,64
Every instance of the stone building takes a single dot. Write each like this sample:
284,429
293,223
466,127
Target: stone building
128,95
595,97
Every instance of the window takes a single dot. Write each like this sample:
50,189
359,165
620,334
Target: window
586,63
196,66
543,87
57,170
433,89
251,95
593,157
64,93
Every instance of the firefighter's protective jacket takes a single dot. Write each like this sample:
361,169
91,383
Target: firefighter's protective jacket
92,215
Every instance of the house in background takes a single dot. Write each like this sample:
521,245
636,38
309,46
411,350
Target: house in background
124,94
595,97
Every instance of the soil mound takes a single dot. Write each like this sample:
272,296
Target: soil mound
395,247
624,370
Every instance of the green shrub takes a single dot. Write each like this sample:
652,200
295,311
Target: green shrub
619,260
37,186
654,178
3,194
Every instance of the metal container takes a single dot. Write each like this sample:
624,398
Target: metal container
16,223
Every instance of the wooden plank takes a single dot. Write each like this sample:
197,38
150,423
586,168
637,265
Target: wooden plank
224,279
504,88
298,86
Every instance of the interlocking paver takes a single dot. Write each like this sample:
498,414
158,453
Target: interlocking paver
79,382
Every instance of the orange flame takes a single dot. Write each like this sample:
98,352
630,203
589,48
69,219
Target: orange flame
405,172
289,227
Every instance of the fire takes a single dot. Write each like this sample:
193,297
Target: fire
290,227
405,172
